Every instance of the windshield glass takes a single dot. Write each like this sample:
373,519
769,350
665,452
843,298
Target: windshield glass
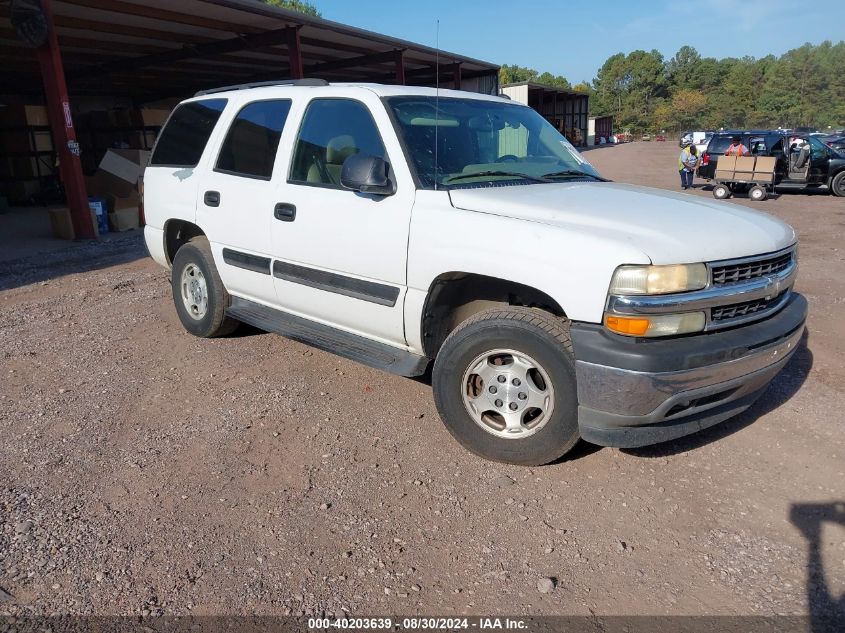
482,143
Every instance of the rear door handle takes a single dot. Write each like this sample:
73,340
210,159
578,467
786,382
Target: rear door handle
212,198
285,212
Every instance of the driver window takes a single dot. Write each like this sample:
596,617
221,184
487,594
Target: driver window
332,130
817,148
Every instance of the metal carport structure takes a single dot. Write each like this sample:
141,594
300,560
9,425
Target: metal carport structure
147,50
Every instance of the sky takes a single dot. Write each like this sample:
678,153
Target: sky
574,39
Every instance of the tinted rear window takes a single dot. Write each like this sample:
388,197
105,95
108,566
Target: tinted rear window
718,144
183,139
253,138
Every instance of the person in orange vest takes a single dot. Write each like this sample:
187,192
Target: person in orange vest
736,148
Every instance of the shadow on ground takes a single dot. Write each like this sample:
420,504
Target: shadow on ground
827,612
77,257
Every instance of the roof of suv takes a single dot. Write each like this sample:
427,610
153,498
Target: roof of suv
310,86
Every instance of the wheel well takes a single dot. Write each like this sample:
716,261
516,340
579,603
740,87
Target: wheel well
454,297
177,233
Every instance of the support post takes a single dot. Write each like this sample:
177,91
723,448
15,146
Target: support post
400,66
456,75
61,123
295,53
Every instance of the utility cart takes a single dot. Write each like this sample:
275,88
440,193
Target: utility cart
734,172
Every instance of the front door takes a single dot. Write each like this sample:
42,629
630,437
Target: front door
820,156
236,198
339,255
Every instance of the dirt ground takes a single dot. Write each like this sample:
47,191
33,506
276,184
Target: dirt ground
144,471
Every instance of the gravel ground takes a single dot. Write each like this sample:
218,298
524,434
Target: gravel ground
144,471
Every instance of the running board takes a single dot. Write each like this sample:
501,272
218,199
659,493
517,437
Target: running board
351,346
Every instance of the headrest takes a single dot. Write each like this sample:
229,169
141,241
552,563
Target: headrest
340,148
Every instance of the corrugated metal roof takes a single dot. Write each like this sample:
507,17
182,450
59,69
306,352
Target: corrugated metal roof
158,48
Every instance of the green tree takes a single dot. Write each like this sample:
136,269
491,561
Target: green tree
687,107
682,70
302,6
583,86
515,74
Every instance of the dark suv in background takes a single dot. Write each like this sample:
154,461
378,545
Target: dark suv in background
819,167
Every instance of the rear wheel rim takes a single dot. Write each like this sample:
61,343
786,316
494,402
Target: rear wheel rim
194,291
507,393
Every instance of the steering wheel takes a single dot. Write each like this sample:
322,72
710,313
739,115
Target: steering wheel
507,158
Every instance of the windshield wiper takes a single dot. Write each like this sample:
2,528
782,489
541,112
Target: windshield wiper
478,174
574,173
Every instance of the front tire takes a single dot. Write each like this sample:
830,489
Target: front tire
198,293
837,185
504,384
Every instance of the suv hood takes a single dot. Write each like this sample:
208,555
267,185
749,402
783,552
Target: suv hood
668,227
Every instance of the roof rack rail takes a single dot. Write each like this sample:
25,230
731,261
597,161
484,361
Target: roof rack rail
261,84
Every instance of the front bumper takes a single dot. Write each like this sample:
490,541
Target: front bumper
634,392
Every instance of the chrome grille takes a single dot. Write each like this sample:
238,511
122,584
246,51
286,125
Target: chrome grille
751,269
745,308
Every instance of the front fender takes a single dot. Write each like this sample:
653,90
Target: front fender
573,268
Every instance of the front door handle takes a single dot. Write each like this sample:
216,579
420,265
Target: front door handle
211,198
285,212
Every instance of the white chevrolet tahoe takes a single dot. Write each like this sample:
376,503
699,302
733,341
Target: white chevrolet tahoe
404,228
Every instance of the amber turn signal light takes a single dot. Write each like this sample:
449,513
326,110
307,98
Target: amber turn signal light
627,325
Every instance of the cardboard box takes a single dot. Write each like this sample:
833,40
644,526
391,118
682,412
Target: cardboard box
43,141
124,219
116,203
726,163
745,163
118,173
61,224
126,164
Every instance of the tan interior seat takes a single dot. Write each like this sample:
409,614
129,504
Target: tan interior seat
338,150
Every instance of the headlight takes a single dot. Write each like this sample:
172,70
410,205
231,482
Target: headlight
658,280
656,325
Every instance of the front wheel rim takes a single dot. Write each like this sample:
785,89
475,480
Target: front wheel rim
194,291
507,393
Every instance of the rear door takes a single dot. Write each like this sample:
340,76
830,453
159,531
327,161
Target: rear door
235,200
171,179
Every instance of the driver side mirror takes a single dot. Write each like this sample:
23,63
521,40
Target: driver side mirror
367,174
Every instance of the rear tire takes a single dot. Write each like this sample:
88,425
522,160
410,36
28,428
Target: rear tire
198,293
757,193
837,186
720,192
504,384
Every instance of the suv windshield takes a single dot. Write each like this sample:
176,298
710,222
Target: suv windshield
478,143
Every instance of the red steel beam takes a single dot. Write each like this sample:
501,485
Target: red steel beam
400,66
58,111
295,53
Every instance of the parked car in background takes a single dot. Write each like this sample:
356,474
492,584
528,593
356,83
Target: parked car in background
319,211
836,141
808,165
699,139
